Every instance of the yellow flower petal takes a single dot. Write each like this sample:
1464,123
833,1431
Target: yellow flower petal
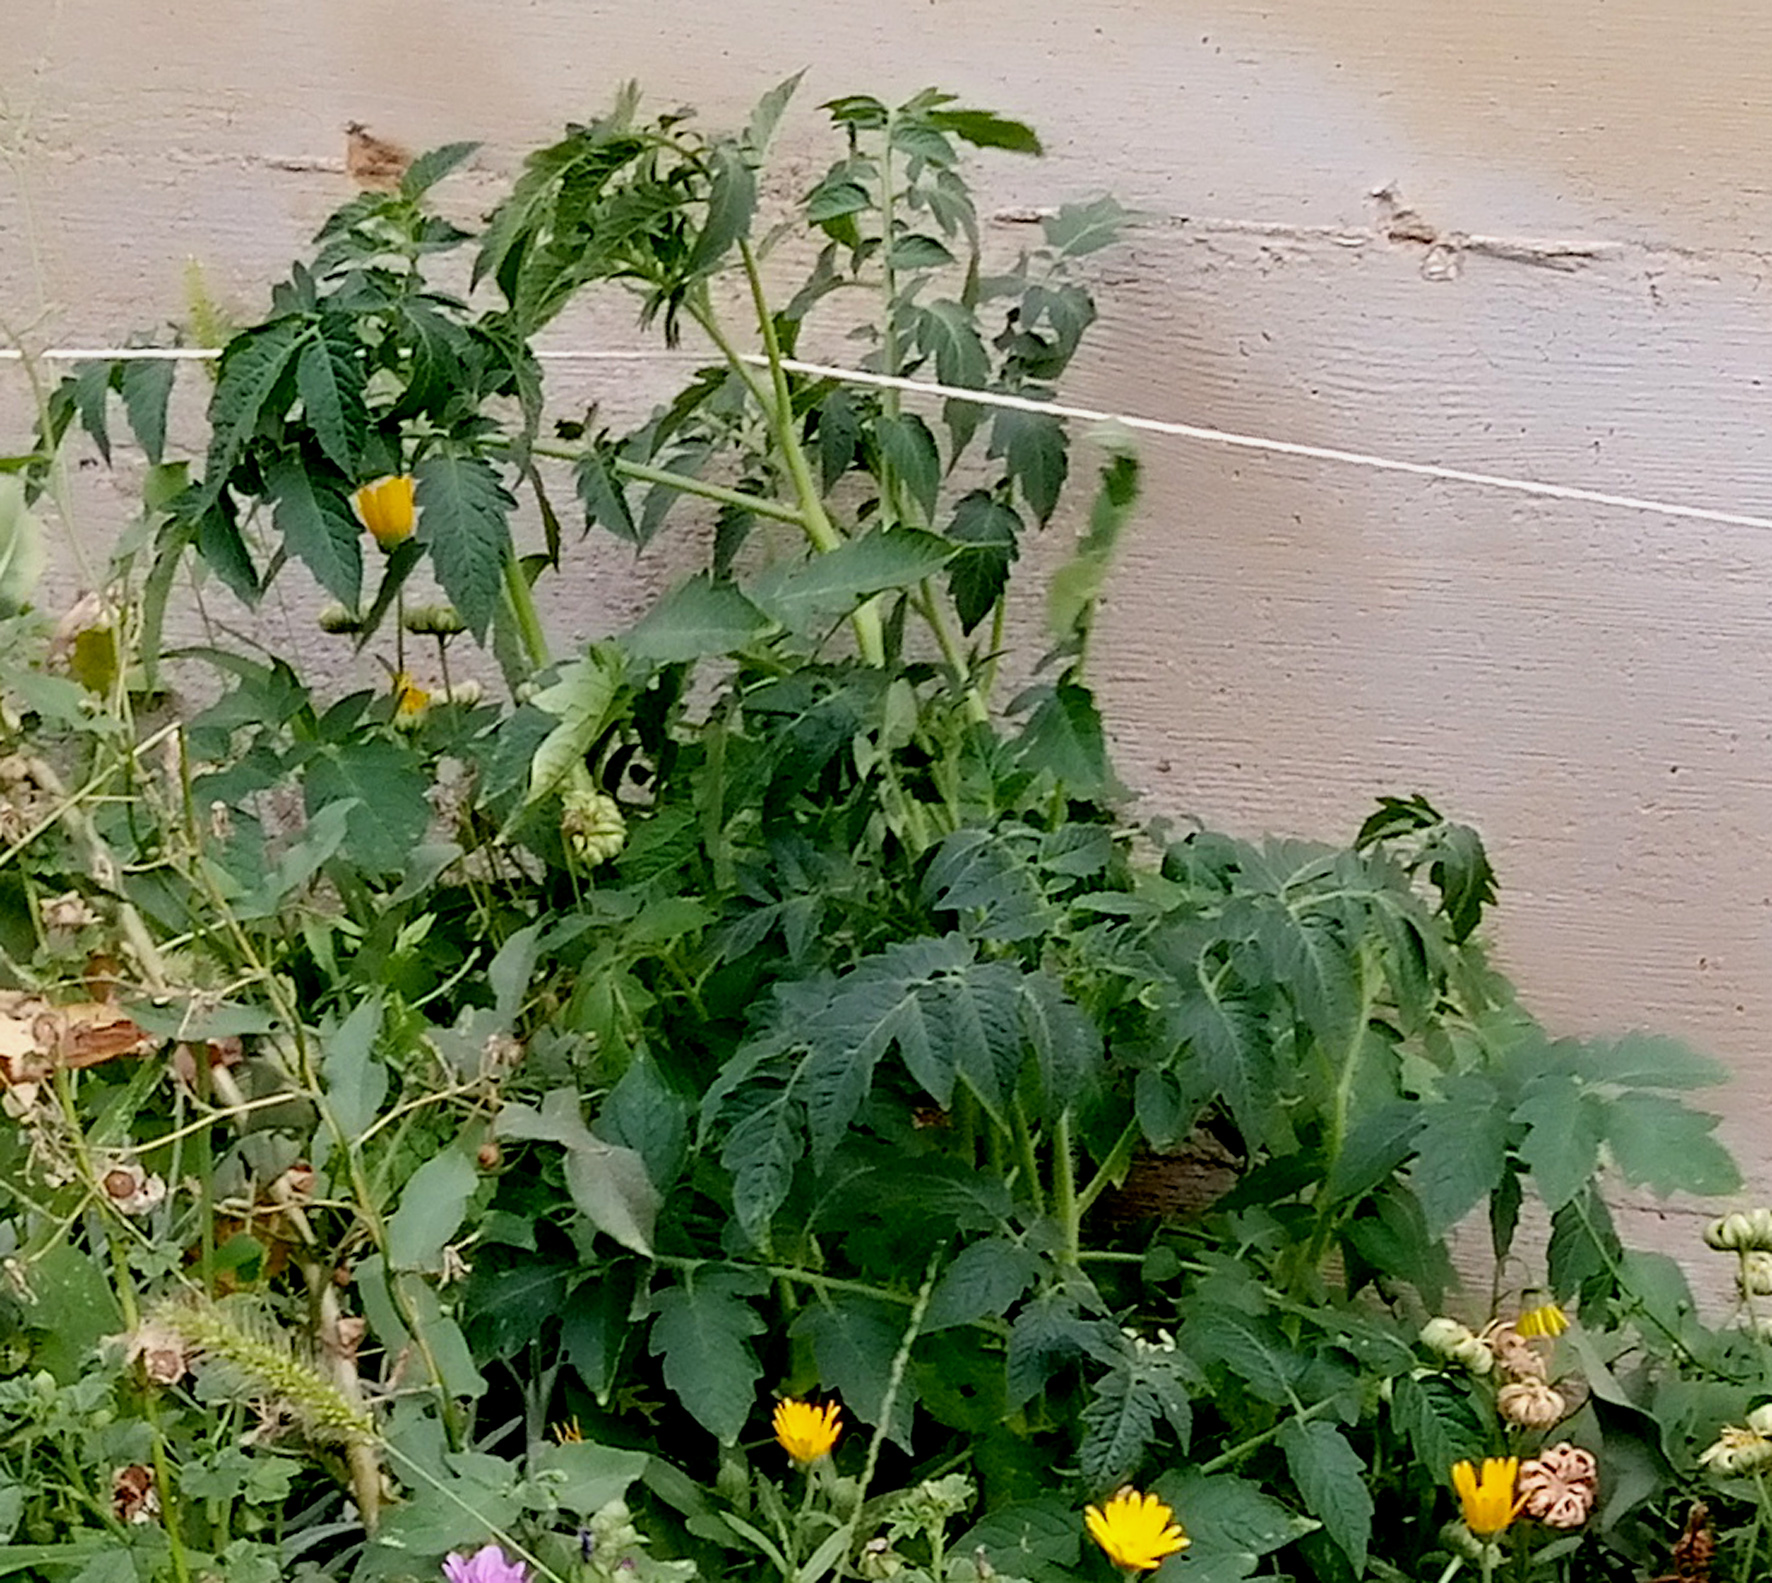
1487,1498
1136,1531
385,508
806,1432
1545,1320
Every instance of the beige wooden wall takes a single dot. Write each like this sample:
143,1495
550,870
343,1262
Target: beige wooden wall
1287,639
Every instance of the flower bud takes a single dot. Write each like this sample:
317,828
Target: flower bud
339,618
437,621
592,822
1754,1277
385,508
1443,1336
1531,1404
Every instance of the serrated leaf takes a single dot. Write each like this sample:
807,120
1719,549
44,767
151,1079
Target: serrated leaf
392,812
832,583
1644,1060
839,433
146,384
987,129
251,366
832,199
218,540
979,575
1659,1143
1080,228
464,522
1252,1349
1036,453
1118,1424
1064,738
761,1152
586,700
1439,1422
760,129
855,1340
697,618
913,250
909,449
432,166
732,199
90,388
985,1279
702,1332
330,383
1562,1143
946,331
1332,1479
1461,1151
604,499
318,529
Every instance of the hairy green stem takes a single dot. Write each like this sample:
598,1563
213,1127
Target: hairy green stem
1064,1190
521,599
1242,1449
1113,1166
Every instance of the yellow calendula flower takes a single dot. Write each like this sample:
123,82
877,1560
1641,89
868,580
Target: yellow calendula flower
1545,1320
411,702
385,509
1487,1498
806,1432
567,1433
1137,1531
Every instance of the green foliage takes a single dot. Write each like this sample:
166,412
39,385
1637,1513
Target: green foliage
753,1002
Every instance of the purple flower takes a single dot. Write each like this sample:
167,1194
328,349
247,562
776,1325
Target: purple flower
486,1565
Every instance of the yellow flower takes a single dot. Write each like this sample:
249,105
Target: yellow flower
806,1432
567,1433
385,508
1137,1531
410,700
1488,1500
1545,1320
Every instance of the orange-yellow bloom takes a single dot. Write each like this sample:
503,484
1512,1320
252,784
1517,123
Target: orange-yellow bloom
806,1432
385,509
410,700
1488,1498
1137,1531
1545,1320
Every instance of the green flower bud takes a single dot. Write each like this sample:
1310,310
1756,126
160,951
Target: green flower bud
437,621
338,618
591,821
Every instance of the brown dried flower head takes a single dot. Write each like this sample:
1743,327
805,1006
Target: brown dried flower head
1519,1359
1559,1486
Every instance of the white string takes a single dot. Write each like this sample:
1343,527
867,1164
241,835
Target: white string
1057,409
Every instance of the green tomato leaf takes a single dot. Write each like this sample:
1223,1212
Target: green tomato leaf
987,129
732,199
1461,1151
1332,1479
702,1332
251,367
329,381
1658,1143
698,618
464,522
146,383
907,446
318,528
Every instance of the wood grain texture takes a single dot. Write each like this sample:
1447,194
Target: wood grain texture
1286,639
